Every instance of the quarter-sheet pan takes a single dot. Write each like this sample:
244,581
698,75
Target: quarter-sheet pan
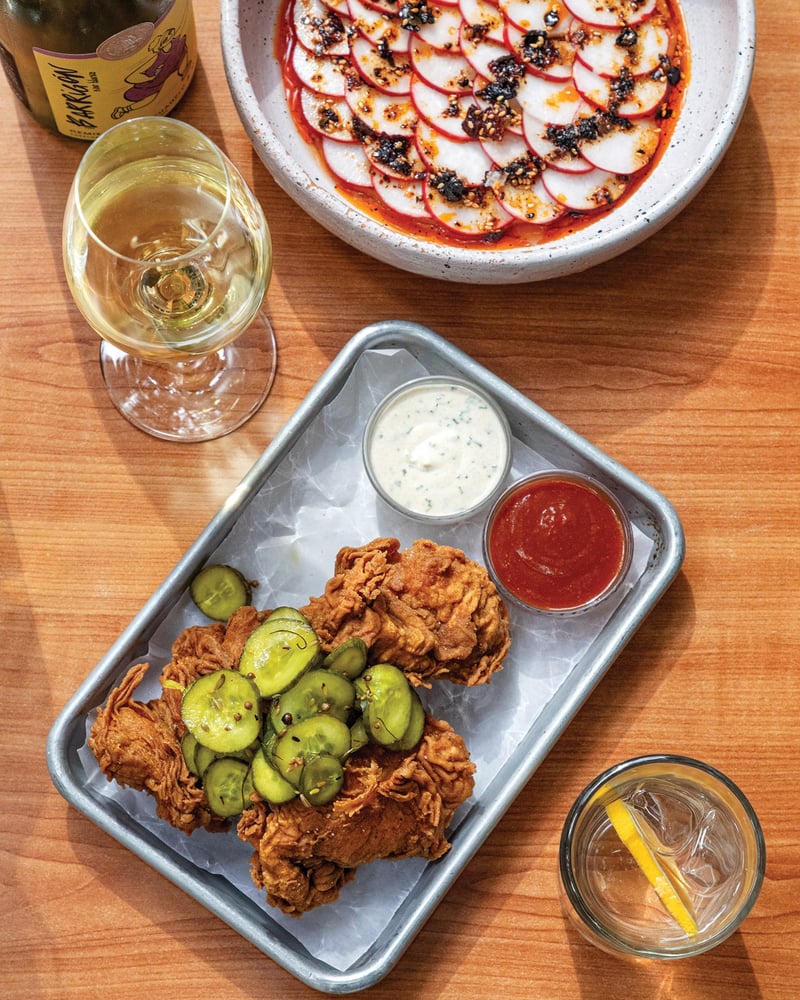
304,498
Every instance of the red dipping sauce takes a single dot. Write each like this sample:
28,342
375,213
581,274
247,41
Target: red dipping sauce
557,541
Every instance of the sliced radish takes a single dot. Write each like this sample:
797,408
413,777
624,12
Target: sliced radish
329,116
338,6
389,72
624,151
511,147
348,162
548,100
551,58
466,159
378,27
325,76
445,30
481,53
584,192
485,16
642,97
382,112
603,54
531,203
446,71
445,112
535,15
319,29
569,160
405,197
611,13
478,213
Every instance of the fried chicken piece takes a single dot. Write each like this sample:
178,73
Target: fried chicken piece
427,609
392,805
138,744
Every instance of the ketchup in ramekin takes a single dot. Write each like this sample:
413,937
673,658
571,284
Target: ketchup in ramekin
557,542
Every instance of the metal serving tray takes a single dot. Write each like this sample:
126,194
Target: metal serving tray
394,344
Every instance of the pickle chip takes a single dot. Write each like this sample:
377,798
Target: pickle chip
219,590
221,710
223,783
386,702
278,652
317,692
322,780
269,784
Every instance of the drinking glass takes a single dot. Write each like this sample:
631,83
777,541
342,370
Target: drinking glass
168,257
662,857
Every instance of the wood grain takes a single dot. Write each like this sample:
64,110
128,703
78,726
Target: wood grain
680,359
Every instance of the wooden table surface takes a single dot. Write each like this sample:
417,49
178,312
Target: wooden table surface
680,360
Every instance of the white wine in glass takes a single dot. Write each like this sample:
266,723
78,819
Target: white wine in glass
168,257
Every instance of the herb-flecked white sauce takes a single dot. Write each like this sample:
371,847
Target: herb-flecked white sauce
439,449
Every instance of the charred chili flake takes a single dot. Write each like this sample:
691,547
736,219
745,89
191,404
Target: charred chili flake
475,32
568,138
415,14
627,38
552,17
486,123
622,86
669,69
392,152
507,72
329,30
328,118
522,172
449,185
538,49
385,52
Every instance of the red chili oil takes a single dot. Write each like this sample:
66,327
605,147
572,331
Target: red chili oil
557,543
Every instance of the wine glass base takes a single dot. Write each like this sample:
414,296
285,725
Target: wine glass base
202,398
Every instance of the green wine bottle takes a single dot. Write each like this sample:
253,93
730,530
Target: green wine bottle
80,66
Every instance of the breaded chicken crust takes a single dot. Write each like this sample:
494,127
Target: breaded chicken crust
427,609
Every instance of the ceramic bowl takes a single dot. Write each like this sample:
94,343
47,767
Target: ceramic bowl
722,40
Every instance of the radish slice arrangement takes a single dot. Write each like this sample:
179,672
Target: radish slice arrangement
473,116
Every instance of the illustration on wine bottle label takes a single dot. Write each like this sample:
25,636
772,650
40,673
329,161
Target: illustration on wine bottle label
143,70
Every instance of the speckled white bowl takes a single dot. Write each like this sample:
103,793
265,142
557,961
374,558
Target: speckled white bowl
722,36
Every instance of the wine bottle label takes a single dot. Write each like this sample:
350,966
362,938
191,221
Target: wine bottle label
143,70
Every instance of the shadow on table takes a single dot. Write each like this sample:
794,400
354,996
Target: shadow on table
602,975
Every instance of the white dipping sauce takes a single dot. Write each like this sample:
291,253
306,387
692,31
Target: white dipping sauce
439,448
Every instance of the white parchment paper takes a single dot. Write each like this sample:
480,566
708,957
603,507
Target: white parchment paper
318,500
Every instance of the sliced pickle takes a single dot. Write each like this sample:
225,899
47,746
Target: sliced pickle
204,757
219,590
359,737
322,780
285,612
413,733
278,652
268,782
302,742
221,710
223,783
317,692
348,659
189,750
386,702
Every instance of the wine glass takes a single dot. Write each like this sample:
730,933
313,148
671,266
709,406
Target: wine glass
168,257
